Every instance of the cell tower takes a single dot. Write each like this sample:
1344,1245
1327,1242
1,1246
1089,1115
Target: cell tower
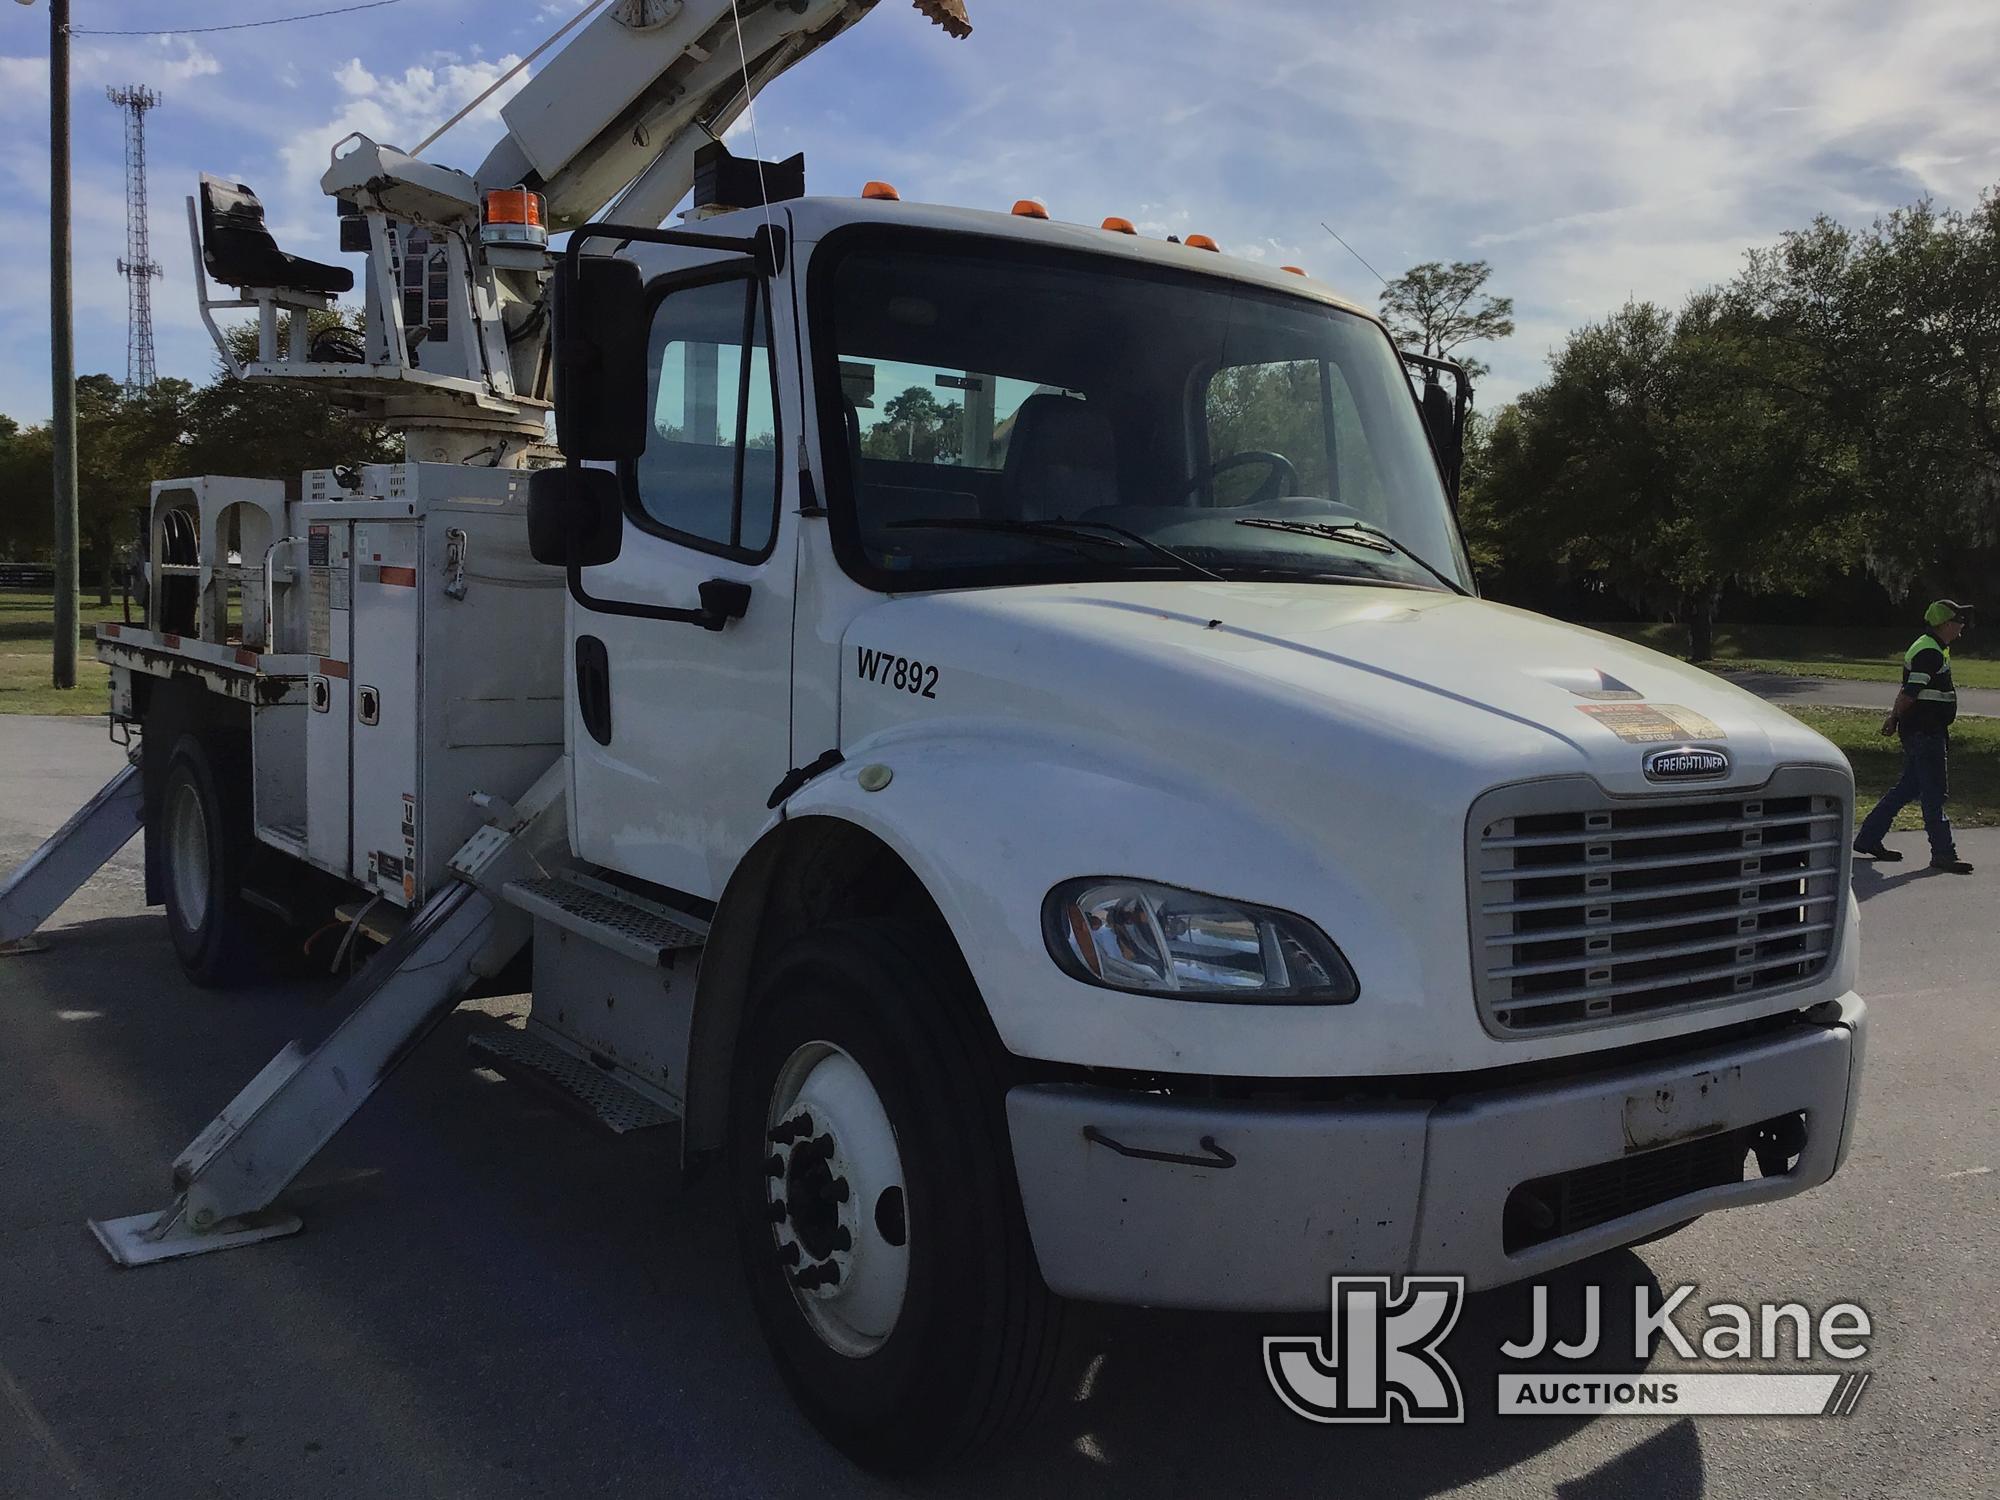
138,266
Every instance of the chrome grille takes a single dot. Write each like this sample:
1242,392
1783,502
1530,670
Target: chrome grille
1588,910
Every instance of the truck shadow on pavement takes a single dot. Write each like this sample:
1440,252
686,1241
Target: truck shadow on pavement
1178,1403
491,1298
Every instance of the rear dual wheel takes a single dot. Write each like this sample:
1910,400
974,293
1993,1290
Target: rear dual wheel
876,1207
205,845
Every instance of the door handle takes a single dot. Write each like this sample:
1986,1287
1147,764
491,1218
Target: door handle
593,687
722,600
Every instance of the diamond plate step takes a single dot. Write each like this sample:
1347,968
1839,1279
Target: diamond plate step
629,925
606,1099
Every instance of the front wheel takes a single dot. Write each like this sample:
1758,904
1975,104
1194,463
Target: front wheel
876,1208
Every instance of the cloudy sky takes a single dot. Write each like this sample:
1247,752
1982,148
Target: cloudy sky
1590,149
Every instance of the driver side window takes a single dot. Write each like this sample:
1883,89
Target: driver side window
1279,407
709,475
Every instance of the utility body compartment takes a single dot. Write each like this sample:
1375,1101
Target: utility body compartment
437,646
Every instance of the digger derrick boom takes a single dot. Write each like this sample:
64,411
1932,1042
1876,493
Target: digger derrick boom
614,119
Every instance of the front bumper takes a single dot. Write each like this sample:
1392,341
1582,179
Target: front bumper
1172,1202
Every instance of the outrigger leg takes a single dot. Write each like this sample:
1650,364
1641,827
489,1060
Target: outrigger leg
71,855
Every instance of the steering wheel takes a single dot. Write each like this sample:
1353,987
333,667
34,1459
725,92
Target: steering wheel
1282,469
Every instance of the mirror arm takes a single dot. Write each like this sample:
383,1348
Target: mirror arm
722,600
766,247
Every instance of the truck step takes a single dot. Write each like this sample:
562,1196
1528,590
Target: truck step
604,1098
626,924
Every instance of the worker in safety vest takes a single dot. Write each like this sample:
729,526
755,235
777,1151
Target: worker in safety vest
1922,715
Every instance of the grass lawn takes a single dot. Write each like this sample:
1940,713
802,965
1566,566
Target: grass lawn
1877,762
1864,655
26,634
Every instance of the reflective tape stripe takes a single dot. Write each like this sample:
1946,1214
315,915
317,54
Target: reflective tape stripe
1932,695
1916,679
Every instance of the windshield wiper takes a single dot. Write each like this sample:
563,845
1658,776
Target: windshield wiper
1359,534
1052,530
1061,531
1159,549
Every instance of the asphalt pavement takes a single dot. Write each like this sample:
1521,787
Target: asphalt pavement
491,1300
1840,692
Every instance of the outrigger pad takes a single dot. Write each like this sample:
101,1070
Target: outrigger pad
142,1239
239,251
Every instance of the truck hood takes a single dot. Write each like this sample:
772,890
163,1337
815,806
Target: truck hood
1315,748
1492,692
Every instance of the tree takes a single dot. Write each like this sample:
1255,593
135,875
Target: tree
1892,340
1434,308
917,428
1656,460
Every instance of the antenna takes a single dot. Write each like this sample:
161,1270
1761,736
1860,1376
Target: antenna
138,266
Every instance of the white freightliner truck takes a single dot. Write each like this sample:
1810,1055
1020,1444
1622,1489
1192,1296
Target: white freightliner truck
989,726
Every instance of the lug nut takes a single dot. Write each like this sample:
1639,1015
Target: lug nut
813,1277
838,1190
788,1253
787,1131
842,1240
779,1213
774,1165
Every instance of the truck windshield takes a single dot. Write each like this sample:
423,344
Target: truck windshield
1016,416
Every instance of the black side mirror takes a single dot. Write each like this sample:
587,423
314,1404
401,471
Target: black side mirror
576,516
1438,416
1444,415
599,308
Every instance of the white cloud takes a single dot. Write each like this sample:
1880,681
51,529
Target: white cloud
401,108
1591,151
157,61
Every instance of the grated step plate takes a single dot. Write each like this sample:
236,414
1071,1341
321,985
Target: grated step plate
601,1096
608,918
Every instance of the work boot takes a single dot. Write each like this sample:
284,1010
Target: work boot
1952,865
1879,852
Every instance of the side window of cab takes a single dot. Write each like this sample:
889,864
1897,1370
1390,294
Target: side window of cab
709,475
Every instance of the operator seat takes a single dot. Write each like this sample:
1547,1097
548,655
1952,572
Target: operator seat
1062,461
238,250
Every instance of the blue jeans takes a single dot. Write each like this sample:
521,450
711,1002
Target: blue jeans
1923,781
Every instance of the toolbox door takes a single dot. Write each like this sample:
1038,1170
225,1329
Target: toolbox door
386,677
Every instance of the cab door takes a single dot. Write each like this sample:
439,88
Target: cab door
679,730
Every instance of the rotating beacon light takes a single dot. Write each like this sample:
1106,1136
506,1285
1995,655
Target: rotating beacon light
514,216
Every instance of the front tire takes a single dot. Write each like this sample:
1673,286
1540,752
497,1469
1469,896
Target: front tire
877,1213
204,846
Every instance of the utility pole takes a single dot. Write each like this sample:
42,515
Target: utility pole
62,357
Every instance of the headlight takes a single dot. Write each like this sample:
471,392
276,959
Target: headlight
1162,940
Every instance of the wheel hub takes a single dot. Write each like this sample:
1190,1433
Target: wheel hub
187,854
833,1161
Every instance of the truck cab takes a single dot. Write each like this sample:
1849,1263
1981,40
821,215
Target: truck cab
1137,859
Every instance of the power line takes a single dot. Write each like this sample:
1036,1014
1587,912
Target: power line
1355,253
310,15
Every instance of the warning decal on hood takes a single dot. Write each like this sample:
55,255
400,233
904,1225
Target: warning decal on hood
1652,723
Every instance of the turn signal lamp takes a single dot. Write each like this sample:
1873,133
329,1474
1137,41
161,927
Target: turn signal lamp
1295,270
1031,208
882,191
1118,226
514,216
1202,242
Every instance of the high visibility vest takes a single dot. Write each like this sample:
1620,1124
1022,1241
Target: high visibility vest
1937,699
